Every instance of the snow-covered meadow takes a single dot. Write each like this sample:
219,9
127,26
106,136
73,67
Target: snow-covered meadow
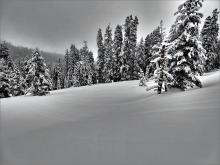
113,124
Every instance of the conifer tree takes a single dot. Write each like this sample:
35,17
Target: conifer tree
117,47
129,60
141,56
38,77
73,58
108,55
217,62
84,71
11,80
134,69
209,35
100,58
186,50
67,77
57,76
152,46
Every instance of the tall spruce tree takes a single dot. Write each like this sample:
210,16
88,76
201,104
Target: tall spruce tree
186,50
217,62
117,47
57,75
129,48
152,46
100,58
134,69
67,80
108,55
141,56
73,58
209,35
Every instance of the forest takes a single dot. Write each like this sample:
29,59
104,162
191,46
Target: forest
189,52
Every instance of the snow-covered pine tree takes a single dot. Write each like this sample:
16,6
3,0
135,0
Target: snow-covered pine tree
57,75
4,71
152,47
78,78
67,80
141,56
158,36
186,50
100,58
108,55
209,36
11,80
17,85
84,70
38,76
217,62
134,68
74,57
148,54
129,48
117,47
93,74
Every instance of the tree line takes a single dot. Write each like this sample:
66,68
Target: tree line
120,56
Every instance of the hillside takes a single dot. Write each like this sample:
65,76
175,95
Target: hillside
19,53
113,124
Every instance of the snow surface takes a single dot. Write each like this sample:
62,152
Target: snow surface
113,124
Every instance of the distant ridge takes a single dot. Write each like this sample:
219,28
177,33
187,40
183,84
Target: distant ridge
21,53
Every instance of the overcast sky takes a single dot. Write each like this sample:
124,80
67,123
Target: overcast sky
53,25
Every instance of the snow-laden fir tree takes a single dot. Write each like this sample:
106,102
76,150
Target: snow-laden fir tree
186,50
217,62
108,55
87,56
134,69
93,75
152,46
129,62
117,47
67,77
73,59
11,80
142,56
4,71
157,39
100,58
209,36
57,76
82,74
17,84
38,77
84,70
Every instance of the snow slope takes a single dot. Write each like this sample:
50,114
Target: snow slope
113,124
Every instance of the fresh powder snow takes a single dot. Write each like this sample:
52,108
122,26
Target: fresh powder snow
113,124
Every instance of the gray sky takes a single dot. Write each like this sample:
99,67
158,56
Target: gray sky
53,25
